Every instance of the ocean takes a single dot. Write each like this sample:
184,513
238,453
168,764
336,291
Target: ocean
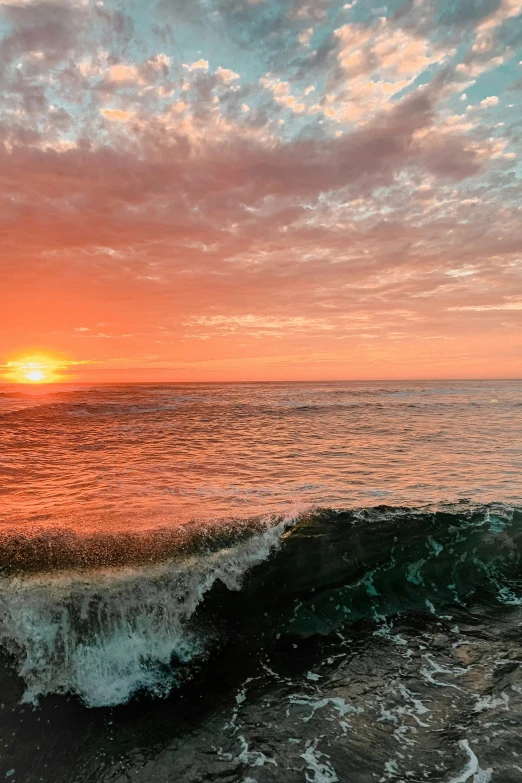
261,582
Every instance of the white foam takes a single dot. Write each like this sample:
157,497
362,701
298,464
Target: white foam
472,768
490,703
105,635
323,772
254,758
336,702
436,668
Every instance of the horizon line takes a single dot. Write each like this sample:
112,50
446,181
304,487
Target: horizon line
237,382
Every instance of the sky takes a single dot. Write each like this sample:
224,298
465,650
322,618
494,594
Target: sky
222,190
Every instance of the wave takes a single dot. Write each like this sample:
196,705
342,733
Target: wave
106,632
90,409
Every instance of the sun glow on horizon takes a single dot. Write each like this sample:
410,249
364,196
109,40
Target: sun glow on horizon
34,369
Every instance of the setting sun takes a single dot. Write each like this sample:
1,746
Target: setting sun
34,369
35,375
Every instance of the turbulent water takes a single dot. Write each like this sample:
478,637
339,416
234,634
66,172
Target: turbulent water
261,582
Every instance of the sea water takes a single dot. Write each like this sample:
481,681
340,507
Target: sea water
261,582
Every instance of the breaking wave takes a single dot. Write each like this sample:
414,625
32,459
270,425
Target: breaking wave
109,617
105,634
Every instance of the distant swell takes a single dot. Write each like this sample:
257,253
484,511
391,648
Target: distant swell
127,623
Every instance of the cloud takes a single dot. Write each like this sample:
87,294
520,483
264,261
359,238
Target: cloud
338,201
487,103
486,308
118,115
200,65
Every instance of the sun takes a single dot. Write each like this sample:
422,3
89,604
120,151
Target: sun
34,369
35,376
